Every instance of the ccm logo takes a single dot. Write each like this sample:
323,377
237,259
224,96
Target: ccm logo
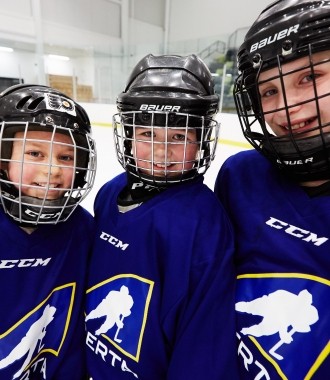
297,232
24,263
114,241
42,216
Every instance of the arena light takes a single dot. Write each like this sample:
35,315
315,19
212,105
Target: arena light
6,49
60,57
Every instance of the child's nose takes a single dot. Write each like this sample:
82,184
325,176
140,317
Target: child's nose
162,149
290,98
53,167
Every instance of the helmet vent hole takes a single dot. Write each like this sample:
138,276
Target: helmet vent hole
22,102
34,104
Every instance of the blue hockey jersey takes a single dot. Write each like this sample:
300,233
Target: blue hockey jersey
283,261
160,301
42,286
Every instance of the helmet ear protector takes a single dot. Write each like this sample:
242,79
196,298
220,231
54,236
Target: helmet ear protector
26,110
285,32
167,93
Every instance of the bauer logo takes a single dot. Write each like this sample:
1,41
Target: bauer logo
275,37
158,107
278,316
42,330
117,310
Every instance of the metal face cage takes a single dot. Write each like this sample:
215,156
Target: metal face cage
39,155
291,130
162,148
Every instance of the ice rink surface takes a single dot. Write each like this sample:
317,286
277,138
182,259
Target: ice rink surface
231,142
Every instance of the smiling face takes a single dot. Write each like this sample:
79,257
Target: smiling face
41,164
165,152
303,115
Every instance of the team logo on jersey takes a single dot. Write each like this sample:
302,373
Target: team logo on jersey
117,310
42,330
279,315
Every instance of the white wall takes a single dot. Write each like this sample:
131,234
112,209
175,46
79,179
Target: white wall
103,44
97,22
196,19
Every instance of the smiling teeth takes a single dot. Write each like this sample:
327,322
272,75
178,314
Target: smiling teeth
47,185
297,126
300,125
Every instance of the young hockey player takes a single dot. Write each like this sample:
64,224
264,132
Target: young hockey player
47,167
160,301
278,196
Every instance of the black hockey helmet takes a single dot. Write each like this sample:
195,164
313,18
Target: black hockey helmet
284,31
184,84
28,107
37,103
168,91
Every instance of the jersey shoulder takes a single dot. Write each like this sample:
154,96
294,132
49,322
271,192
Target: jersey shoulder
246,160
108,193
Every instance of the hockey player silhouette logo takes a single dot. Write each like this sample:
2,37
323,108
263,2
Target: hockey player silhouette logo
114,307
117,311
30,342
284,313
278,316
42,330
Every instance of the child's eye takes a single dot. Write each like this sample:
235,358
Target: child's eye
66,158
34,153
310,77
269,92
187,135
179,137
145,135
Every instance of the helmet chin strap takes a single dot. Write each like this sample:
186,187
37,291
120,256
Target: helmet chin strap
165,182
32,210
303,160
139,190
